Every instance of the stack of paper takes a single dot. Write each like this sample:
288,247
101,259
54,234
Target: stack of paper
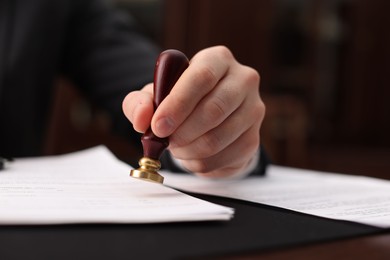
345,197
92,186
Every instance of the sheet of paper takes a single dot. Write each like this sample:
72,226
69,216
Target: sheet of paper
354,198
92,186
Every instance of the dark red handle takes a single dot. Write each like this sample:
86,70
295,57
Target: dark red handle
169,67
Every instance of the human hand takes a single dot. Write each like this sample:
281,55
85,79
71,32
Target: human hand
212,115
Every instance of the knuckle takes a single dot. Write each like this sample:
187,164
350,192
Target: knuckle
219,51
179,139
224,52
252,77
215,109
205,76
262,109
253,141
179,103
209,145
199,166
258,110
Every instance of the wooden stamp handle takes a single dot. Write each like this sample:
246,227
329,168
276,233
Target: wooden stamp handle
169,67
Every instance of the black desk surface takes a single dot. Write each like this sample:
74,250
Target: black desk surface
255,227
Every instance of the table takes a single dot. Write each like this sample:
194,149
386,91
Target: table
367,247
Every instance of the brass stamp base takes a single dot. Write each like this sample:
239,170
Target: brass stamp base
148,170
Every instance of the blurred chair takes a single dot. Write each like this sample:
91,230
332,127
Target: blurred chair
75,124
284,131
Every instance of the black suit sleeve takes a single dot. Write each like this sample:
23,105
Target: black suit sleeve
107,57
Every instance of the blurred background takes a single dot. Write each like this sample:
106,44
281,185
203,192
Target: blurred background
325,76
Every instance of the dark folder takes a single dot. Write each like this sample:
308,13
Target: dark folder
255,227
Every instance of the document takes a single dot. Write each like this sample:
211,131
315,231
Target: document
92,186
344,197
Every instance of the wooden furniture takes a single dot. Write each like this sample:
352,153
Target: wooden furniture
322,63
331,57
249,28
75,124
369,247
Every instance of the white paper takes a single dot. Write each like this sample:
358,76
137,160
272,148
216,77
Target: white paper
92,186
345,197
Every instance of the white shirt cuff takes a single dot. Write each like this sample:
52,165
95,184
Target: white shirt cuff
238,175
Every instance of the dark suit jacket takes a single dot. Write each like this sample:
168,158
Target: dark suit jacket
86,40
98,48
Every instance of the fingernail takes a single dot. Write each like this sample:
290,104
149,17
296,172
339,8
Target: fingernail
165,126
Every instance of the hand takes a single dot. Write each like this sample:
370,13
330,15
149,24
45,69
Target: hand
212,115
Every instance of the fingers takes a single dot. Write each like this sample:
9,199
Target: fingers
210,112
207,144
221,121
232,159
206,69
235,99
138,108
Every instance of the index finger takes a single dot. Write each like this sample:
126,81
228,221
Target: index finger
206,69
